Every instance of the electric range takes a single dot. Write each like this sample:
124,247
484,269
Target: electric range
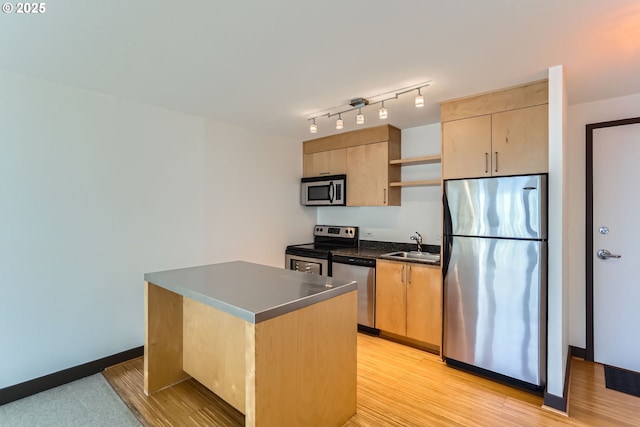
315,257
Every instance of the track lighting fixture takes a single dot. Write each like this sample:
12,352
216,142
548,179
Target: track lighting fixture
419,99
360,103
383,112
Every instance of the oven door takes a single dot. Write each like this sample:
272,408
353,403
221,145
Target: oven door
307,264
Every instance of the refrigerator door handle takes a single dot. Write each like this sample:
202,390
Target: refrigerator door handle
447,238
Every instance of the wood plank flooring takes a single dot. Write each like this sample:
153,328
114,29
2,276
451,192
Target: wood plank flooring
399,386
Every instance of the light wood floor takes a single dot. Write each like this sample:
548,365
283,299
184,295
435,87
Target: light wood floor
400,386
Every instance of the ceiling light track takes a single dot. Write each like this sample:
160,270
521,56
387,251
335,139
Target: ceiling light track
360,103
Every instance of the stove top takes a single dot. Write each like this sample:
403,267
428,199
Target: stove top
325,239
312,247
310,250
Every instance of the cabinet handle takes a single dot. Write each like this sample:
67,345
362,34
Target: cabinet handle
402,275
408,274
325,173
496,161
384,195
486,162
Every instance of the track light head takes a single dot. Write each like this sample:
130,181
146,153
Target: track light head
419,99
383,112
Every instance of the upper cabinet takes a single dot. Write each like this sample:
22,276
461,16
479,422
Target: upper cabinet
368,174
495,134
331,162
466,145
365,156
520,141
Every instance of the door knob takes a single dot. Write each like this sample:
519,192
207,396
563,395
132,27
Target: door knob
605,254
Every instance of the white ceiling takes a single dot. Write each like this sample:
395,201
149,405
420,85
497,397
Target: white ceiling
269,64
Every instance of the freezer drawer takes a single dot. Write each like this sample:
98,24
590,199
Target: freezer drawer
495,306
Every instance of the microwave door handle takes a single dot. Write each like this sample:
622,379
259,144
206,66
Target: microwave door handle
331,191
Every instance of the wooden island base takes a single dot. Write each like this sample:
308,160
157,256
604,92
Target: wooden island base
295,369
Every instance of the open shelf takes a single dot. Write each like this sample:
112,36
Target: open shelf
425,160
417,160
415,183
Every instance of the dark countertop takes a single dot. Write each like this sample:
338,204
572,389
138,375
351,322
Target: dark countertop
374,249
252,292
360,252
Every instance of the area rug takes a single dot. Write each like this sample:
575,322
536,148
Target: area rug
88,402
622,380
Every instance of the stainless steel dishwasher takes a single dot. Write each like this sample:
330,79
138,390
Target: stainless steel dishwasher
362,270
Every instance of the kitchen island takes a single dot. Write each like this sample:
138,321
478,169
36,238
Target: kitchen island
278,345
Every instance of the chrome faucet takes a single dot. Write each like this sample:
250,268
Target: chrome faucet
418,239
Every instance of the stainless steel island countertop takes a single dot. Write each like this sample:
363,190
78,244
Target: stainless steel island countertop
252,292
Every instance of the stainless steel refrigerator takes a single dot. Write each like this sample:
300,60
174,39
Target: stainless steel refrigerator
495,275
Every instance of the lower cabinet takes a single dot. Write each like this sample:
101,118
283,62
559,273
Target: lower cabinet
409,300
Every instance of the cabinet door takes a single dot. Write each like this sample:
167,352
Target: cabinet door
391,297
424,303
368,175
520,141
466,148
331,162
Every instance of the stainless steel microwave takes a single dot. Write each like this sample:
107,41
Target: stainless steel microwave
324,191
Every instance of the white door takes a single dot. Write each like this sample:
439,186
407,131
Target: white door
616,228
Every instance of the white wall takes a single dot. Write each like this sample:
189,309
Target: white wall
579,116
96,190
557,289
421,208
253,210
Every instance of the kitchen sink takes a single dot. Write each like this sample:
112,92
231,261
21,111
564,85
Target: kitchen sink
414,256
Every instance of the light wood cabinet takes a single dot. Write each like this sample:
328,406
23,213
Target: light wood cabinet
496,134
368,172
365,156
331,162
506,143
424,303
391,297
520,141
466,145
409,300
